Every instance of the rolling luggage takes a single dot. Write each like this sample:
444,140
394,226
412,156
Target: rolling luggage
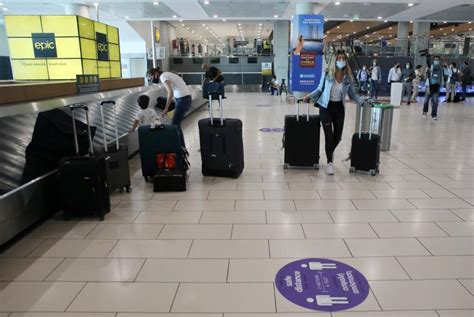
213,89
116,156
156,140
82,181
365,149
222,147
301,139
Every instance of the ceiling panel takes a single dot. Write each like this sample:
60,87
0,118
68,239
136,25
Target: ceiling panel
362,11
245,8
464,12
33,8
138,10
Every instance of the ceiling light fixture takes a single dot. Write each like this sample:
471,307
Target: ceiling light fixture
96,4
368,27
156,3
379,18
337,3
385,21
215,16
125,17
441,29
411,21
223,20
470,22
338,27
206,2
411,4
351,20
275,16
180,20
182,24
187,28
175,16
445,22
204,24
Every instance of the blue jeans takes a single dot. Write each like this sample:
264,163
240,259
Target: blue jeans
273,90
464,91
363,86
374,87
182,106
433,95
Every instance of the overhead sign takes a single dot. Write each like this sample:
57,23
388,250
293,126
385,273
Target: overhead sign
322,284
44,45
102,47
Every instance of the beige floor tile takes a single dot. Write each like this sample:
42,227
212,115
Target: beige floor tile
439,203
126,231
468,284
291,194
151,249
456,313
377,268
365,185
439,193
26,269
222,298
125,297
37,296
449,246
353,216
438,267
327,204
263,205
458,229
341,230
299,217
211,186
235,195
72,248
407,230
229,249
263,186
414,185
191,194
51,314
315,314
255,270
273,231
63,230
97,270
386,247
181,217
399,194
165,315
205,205
465,214
464,193
424,215
346,194
197,231
216,217
148,205
121,217
314,186
388,314
370,204
184,271
308,248
404,295
22,248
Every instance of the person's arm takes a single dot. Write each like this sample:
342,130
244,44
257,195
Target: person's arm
353,96
135,125
390,73
169,97
316,92
219,73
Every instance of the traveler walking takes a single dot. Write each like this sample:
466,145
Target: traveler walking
416,83
465,79
433,83
395,74
453,79
408,75
375,79
330,96
363,77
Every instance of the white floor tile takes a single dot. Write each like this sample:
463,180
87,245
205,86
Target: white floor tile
26,269
147,205
388,314
22,248
37,296
229,249
402,230
273,231
341,230
468,284
399,194
439,203
63,230
74,248
465,214
315,314
51,314
377,268
308,248
191,194
438,267
205,205
299,217
291,194
196,231
458,229
424,215
405,295
235,195
385,247
265,205
212,217
439,193
125,231
352,216
168,217
97,270
125,297
414,185
456,313
151,249
327,204
449,246
346,194
165,315
263,186
183,270
121,217
368,204
222,298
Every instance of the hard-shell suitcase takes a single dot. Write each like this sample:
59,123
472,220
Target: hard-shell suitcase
365,149
222,147
82,181
301,139
159,139
170,180
117,169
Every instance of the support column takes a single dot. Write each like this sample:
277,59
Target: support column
421,38
402,38
467,43
77,9
165,41
281,40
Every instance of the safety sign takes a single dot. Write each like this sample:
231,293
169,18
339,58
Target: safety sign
322,284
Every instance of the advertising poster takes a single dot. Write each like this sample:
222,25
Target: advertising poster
267,69
307,47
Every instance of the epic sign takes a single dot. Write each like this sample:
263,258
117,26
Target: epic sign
102,47
44,44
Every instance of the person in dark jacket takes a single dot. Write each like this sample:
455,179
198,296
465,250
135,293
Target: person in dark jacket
465,78
435,80
408,74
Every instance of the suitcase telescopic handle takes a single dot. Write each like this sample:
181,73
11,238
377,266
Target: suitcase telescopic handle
221,109
366,103
89,134
104,135
298,110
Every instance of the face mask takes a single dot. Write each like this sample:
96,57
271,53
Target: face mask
436,63
364,68
407,66
374,63
340,64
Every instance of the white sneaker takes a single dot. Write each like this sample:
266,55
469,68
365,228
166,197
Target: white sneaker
330,169
424,115
434,118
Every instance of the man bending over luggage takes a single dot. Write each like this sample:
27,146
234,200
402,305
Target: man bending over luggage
146,116
330,95
212,74
178,90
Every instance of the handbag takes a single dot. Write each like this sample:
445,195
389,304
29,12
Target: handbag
322,89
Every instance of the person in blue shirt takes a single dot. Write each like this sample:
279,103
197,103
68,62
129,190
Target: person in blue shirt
330,95
363,78
435,79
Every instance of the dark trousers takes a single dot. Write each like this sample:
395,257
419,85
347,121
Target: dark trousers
182,106
332,120
374,87
464,91
274,90
433,95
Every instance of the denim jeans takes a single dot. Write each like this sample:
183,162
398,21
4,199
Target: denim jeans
374,86
182,106
332,121
363,86
433,95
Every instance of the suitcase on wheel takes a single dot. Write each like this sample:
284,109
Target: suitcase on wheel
82,181
222,147
116,156
301,139
365,149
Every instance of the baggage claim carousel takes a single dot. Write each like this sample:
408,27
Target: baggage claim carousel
23,204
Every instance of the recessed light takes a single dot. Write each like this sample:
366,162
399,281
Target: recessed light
470,22
368,27
445,22
174,16
411,4
182,24
327,32
337,3
223,20
385,21
1,4
441,29
156,3
204,24
379,18
180,20
351,20
411,21
125,17
192,32
354,32
338,27
206,1
207,28
215,16
452,30
445,34
239,24
6,9
470,29
187,28
96,4
275,16
390,28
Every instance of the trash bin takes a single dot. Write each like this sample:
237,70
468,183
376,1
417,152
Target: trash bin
379,121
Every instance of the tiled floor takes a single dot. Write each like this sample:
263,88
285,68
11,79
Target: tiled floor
214,250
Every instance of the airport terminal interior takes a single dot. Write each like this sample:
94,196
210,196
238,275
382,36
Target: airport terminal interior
262,158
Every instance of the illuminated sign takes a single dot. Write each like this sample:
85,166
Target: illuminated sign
102,47
44,45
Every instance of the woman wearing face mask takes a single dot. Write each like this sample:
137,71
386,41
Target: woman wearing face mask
330,95
408,74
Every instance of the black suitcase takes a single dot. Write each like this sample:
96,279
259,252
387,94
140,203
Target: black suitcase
365,149
170,180
117,170
82,182
222,147
301,139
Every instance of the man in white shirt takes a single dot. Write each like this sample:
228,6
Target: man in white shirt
178,90
395,74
